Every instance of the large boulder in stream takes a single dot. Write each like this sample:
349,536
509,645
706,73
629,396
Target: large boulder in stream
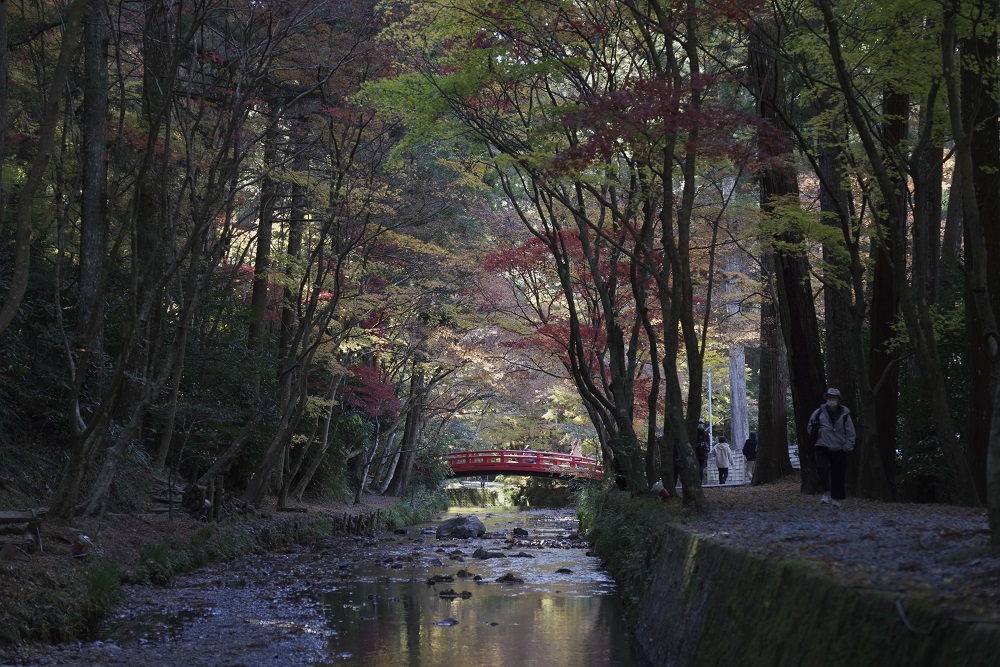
461,527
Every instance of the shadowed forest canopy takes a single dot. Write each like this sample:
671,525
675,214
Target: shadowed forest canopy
309,246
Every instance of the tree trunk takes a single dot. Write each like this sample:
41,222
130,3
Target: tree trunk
845,291
883,368
221,464
36,171
4,105
979,111
291,413
262,258
773,461
296,464
94,186
290,302
410,444
795,306
914,306
740,425
657,467
325,440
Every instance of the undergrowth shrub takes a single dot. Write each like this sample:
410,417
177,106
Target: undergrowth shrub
626,532
416,507
104,590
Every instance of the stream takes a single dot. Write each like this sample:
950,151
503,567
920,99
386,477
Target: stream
403,598
566,611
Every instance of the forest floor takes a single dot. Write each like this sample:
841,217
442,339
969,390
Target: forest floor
939,552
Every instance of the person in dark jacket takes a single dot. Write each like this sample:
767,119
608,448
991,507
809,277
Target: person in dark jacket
750,453
831,429
701,447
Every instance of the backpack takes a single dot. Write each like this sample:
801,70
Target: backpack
814,428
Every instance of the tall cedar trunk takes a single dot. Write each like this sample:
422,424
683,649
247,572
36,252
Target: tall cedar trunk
739,423
882,367
150,227
262,257
94,186
913,305
845,290
738,398
4,106
796,309
773,461
296,223
913,294
980,109
837,300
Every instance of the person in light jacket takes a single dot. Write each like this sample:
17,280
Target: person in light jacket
831,430
723,458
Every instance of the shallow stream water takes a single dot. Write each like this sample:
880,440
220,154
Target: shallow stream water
368,602
566,611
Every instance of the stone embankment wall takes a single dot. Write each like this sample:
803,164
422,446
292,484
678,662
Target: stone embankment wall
473,497
356,524
710,605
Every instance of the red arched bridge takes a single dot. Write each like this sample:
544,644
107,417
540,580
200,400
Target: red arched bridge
523,462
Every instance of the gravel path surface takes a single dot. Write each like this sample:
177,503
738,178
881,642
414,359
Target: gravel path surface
936,550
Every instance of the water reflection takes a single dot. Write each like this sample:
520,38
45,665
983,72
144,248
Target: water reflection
392,617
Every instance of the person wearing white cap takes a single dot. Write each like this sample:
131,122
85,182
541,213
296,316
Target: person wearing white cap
831,430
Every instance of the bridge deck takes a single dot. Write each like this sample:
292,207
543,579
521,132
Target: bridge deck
521,462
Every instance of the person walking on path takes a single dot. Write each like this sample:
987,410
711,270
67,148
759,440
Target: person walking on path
723,458
750,452
701,447
831,430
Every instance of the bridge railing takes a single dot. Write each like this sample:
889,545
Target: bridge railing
497,461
